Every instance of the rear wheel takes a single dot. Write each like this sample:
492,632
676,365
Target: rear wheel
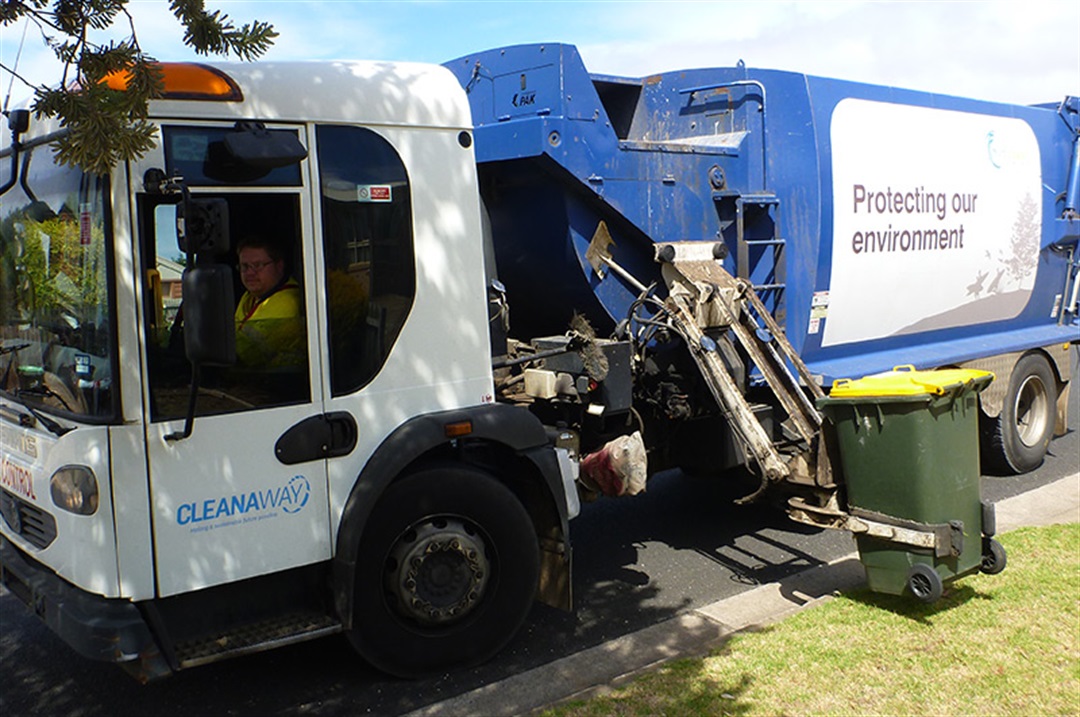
993,558
1017,440
447,572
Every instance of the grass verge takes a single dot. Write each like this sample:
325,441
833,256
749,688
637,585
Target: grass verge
1007,644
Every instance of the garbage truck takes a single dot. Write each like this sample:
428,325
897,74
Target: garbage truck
515,285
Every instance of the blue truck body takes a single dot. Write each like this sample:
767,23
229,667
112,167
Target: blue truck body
881,226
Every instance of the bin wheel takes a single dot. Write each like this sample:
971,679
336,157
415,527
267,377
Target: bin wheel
1016,441
925,583
993,558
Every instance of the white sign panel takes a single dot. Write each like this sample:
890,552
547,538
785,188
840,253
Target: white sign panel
936,220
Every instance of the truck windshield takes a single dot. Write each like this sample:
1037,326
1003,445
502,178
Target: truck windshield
56,321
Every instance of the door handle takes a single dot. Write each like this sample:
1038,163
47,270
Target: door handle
327,435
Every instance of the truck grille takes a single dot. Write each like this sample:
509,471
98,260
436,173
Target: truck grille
27,520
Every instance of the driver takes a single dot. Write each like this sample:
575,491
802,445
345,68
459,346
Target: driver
269,323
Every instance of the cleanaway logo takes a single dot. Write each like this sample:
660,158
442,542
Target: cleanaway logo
242,508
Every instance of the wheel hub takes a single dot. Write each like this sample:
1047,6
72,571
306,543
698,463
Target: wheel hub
1030,411
438,571
920,585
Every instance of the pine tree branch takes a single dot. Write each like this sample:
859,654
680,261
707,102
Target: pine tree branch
106,125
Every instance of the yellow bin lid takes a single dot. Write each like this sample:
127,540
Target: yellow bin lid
906,381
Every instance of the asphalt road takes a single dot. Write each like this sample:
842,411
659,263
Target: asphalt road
638,561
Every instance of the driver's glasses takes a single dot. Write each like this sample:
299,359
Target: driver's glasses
253,267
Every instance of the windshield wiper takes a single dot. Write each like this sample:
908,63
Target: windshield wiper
14,350
43,391
54,427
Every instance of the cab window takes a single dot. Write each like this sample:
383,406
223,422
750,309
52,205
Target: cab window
198,155
271,329
368,247
57,335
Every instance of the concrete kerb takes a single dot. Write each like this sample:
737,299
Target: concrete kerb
1052,504
599,669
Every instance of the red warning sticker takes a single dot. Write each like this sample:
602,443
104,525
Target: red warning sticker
374,193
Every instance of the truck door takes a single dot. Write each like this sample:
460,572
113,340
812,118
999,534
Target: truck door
225,504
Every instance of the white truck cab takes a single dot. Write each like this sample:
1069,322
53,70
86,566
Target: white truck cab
162,512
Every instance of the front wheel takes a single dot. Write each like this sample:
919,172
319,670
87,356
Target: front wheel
925,583
447,571
1017,440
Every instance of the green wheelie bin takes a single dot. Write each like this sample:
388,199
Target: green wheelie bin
909,457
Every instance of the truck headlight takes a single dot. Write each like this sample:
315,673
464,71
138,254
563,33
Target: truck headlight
75,489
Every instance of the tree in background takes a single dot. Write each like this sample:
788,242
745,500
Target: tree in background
106,124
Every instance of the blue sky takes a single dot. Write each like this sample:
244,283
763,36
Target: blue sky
1005,50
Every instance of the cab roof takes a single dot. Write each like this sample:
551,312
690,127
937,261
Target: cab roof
390,93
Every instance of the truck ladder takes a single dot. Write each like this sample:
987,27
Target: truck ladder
749,222
703,296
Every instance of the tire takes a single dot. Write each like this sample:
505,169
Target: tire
993,558
447,571
925,583
1017,440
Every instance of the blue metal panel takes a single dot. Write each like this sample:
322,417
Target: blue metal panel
689,155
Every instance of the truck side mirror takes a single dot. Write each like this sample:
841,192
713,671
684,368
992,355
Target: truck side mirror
202,226
209,326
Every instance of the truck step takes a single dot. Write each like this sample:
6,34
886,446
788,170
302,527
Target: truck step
284,630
